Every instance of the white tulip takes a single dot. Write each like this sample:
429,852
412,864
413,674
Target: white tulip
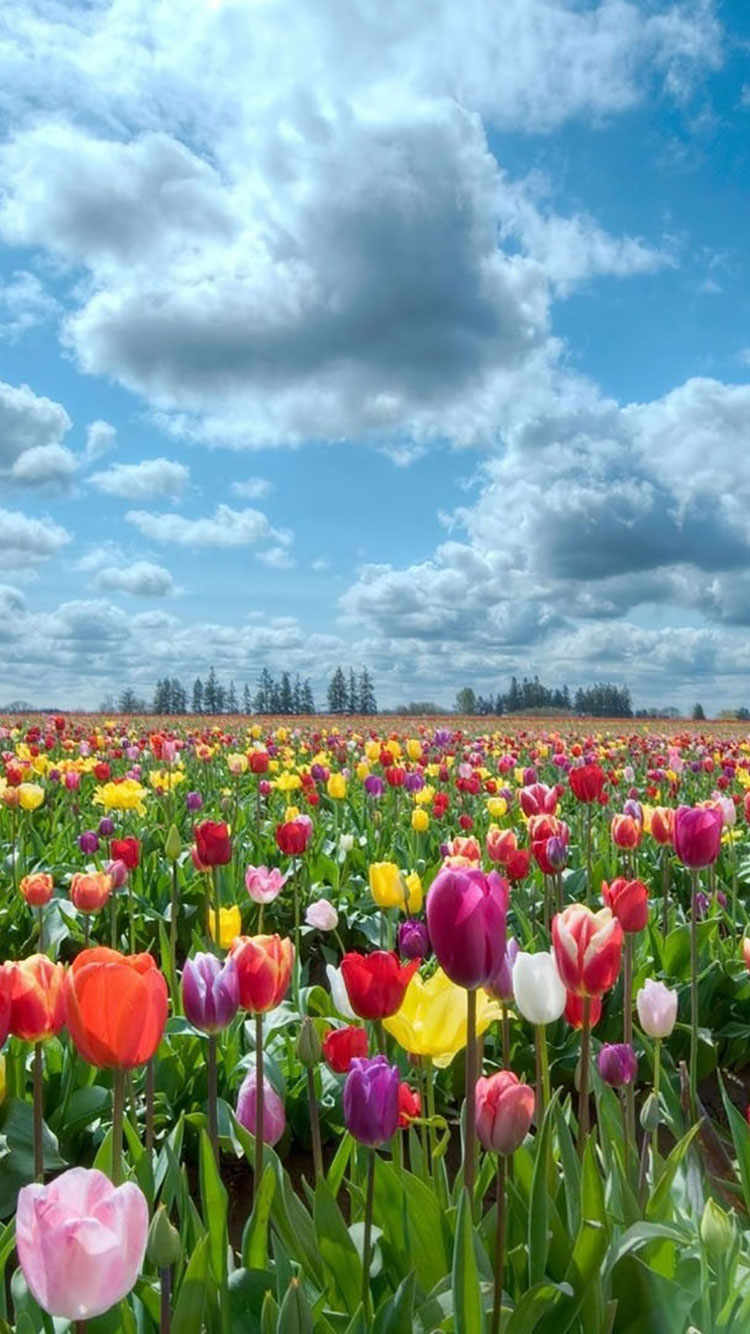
657,1009
339,994
538,989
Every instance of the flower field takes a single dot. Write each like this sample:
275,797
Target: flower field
374,1024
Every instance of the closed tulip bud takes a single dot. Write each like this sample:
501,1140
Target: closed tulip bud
717,1230
163,1245
627,900
118,873
618,1064
322,915
386,885
213,843
657,1009
587,782
106,827
371,1100
274,1116
90,890
466,914
538,989
413,939
504,1111
309,1046
420,820
88,842
650,1114
173,844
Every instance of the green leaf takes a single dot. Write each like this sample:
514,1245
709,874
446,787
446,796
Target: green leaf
740,1132
337,1250
295,1316
214,1201
85,1105
188,1313
538,1236
269,1314
247,1294
397,1315
339,1165
592,1187
255,1235
660,1204
641,1234
534,1304
571,1166
583,1271
17,1163
468,1309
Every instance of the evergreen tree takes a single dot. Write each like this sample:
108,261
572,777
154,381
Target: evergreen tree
698,713
337,693
221,699
129,702
274,698
466,701
286,701
307,701
297,696
246,702
209,693
352,693
197,695
263,693
367,701
232,699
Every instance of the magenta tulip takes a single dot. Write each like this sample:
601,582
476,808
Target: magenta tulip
466,913
274,1116
81,1242
371,1100
697,835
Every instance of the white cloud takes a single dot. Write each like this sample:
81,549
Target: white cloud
25,541
100,439
141,579
225,528
143,481
51,466
253,488
28,420
24,303
277,558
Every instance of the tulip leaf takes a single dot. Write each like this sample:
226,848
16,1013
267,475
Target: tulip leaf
214,1201
397,1315
269,1315
339,1165
740,1132
247,1294
295,1316
294,1225
534,1304
538,1236
188,1312
17,1162
468,1308
571,1166
582,1272
255,1235
337,1249
592,1187
659,1205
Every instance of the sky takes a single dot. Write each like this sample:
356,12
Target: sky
406,335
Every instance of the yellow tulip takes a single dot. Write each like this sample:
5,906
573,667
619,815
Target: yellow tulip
336,787
30,796
287,782
237,763
372,750
413,748
386,885
432,1018
230,925
290,814
420,820
414,893
497,807
362,770
125,796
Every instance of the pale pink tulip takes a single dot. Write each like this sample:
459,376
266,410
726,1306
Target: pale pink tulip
263,885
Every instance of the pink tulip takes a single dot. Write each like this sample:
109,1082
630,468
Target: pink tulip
81,1242
274,1116
322,915
504,1111
697,835
263,885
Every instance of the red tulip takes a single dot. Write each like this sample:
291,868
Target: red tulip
409,1105
538,799
574,1010
517,865
662,824
627,900
587,782
376,983
501,845
264,969
294,836
127,850
588,949
626,832
115,1007
341,1045
213,844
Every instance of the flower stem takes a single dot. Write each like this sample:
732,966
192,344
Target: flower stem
314,1124
471,1092
367,1247
695,877
213,1120
627,1037
657,1082
150,1074
258,1105
118,1100
217,910
499,1247
297,959
38,1112
589,872
173,935
665,889
506,1036
165,1285
543,1057
583,1097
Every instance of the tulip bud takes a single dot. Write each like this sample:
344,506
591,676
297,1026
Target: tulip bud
650,1113
173,844
716,1229
309,1046
163,1245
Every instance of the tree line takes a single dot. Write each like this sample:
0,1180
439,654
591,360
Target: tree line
347,693
602,700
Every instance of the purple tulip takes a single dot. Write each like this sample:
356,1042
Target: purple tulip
618,1064
501,984
210,992
556,852
633,809
88,842
413,939
320,773
697,835
106,827
117,872
466,913
414,782
371,1100
374,786
274,1116
530,776
193,801
442,737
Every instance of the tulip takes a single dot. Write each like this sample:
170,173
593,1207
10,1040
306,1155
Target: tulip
505,1108
30,796
697,835
115,1007
90,890
88,842
230,926
210,992
420,820
37,888
264,970
661,825
501,985
35,986
213,844
376,983
588,948
127,850
341,1045
626,832
537,799
371,1100
294,836
322,915
657,1009
466,913
618,1064
264,885
272,1109
81,1242
193,801
432,1020
106,827
409,1105
587,782
500,844
627,900
574,1010
538,988
5,1004
517,866
386,885
413,939
339,994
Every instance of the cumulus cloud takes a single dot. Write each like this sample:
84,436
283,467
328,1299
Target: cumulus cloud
100,439
253,488
143,481
225,528
140,579
26,542
28,421
24,303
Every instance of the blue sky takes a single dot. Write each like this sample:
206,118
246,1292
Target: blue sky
423,345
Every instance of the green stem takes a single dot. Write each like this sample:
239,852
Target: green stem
258,1105
506,1036
314,1124
217,909
627,1037
367,1247
657,1082
150,1081
113,919
665,889
471,1093
38,1112
131,917
541,1046
40,920
297,957
430,1087
213,1119
118,1100
173,899
589,872
695,878
583,1098
165,1287
497,1306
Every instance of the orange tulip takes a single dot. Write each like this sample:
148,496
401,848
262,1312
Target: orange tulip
115,1007
36,998
662,824
264,966
90,890
37,888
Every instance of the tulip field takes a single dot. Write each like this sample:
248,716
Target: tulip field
391,1025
